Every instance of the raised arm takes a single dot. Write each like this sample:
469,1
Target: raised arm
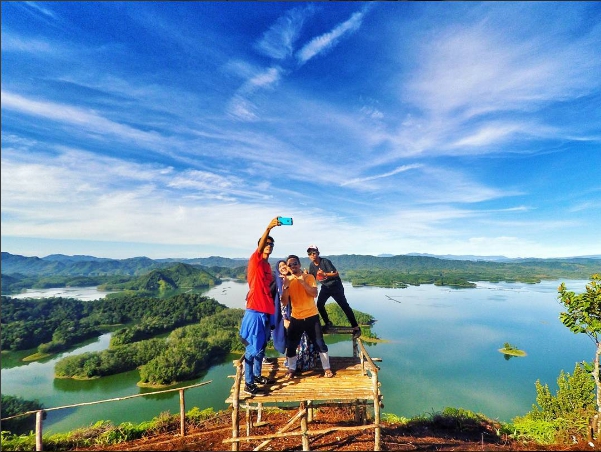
263,238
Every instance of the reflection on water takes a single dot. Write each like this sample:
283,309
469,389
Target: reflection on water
441,350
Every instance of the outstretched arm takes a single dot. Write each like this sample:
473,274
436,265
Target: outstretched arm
272,225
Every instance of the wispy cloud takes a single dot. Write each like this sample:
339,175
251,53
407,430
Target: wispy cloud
14,43
400,169
279,40
75,116
328,40
37,7
486,88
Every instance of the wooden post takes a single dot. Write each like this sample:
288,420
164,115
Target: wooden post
236,406
38,430
284,429
303,423
249,420
260,413
182,413
310,411
376,386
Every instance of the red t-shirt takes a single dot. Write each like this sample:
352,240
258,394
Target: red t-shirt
259,277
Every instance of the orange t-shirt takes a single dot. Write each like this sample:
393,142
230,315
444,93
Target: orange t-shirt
303,304
259,277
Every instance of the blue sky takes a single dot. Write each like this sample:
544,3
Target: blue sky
180,129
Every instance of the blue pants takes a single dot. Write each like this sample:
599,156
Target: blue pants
254,333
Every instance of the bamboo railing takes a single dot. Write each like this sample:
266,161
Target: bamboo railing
39,414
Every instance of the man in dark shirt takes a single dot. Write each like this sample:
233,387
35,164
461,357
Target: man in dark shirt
331,286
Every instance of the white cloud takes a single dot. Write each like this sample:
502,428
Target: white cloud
13,43
85,119
328,40
400,169
45,11
279,40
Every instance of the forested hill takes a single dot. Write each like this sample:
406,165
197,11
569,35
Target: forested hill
402,270
359,269
178,276
61,265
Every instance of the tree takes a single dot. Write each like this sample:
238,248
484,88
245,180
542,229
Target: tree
583,315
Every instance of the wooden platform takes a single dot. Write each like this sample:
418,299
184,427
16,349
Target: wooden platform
349,383
355,382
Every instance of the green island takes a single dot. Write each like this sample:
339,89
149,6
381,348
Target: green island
511,350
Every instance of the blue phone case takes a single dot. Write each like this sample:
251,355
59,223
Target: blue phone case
285,221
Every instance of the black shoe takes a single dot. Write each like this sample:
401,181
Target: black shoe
264,380
251,389
327,326
356,332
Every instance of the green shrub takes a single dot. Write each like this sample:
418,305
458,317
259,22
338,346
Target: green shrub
560,417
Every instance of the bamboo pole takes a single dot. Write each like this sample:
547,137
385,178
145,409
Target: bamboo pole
236,405
310,433
182,413
116,399
249,421
260,413
38,430
376,386
284,429
303,423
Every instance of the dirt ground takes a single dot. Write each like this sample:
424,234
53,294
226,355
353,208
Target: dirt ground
209,436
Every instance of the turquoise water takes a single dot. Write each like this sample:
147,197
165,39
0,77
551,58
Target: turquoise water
441,350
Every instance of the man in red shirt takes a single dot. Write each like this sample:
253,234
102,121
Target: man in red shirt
256,326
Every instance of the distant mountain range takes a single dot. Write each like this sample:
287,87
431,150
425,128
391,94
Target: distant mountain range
469,257
63,265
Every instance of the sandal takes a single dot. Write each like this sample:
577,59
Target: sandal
328,373
290,376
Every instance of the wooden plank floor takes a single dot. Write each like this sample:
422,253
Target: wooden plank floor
348,384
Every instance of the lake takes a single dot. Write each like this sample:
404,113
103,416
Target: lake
441,350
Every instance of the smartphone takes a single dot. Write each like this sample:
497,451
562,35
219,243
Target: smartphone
285,221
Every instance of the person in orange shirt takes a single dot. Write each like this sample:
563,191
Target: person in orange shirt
300,290
255,329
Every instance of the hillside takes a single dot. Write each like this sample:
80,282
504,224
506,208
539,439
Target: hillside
177,276
438,434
